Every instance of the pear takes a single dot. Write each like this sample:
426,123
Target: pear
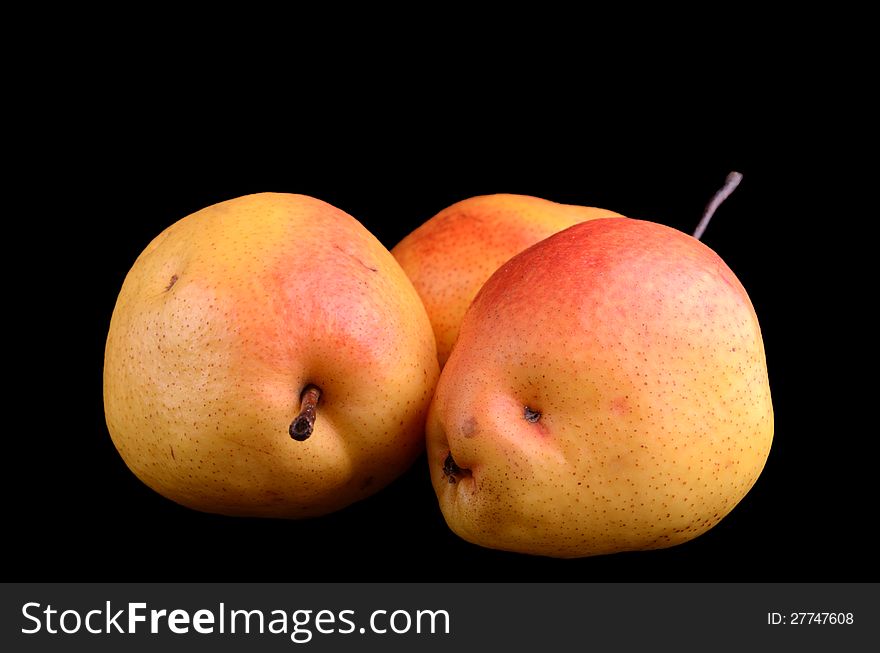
267,356
451,256
608,392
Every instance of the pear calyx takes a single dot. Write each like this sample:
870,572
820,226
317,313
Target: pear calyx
452,471
531,415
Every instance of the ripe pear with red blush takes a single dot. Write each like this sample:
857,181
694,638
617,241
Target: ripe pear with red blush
268,357
451,256
608,392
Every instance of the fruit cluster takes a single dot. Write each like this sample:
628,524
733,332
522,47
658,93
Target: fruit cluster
585,383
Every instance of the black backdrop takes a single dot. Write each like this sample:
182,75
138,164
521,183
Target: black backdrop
77,513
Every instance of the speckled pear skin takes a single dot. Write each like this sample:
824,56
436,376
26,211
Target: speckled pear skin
225,318
451,256
642,354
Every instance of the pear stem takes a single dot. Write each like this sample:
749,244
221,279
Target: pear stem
723,193
301,427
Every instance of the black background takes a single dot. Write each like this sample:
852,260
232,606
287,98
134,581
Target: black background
111,183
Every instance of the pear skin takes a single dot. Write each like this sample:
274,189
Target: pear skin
451,256
222,326
608,392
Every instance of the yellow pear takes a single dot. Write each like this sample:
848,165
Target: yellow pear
267,356
608,392
452,255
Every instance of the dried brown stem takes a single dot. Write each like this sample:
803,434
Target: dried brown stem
301,427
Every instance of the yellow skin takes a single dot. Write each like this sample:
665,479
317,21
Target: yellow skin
452,255
224,319
642,353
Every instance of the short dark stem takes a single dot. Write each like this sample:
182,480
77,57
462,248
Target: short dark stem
301,427
723,193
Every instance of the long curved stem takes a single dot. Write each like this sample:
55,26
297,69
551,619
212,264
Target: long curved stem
723,193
